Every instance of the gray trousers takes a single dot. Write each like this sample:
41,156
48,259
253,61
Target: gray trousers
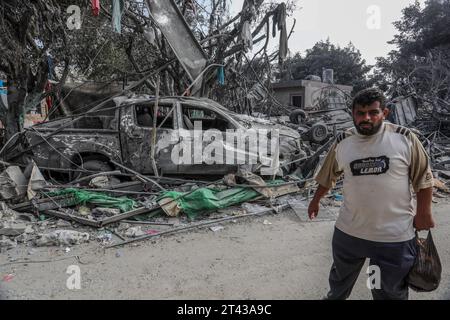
394,259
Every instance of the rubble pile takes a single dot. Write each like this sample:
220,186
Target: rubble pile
113,204
44,214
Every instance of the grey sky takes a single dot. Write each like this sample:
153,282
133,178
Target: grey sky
343,21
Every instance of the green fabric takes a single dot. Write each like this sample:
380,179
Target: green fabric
204,199
82,197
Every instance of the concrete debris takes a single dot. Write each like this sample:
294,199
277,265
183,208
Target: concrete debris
6,213
109,212
100,182
13,228
134,232
7,244
24,237
61,237
216,228
63,223
105,237
253,208
28,217
13,183
36,182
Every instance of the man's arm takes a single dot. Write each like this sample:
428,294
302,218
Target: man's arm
422,182
313,208
424,218
326,178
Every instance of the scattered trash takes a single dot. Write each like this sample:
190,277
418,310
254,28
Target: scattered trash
338,197
29,229
67,249
8,277
253,208
267,222
23,238
134,232
62,223
7,243
12,228
84,211
216,228
105,237
170,206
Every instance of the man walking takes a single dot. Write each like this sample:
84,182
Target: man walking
380,162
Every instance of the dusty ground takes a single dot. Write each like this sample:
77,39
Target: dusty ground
287,259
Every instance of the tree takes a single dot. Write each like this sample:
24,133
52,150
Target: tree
35,42
29,30
420,64
348,65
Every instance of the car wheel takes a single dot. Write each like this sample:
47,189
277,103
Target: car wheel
318,133
287,154
297,116
97,166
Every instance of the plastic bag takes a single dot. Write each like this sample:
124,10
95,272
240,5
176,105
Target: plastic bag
425,275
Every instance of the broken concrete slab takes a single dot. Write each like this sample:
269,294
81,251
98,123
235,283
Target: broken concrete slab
7,244
13,183
12,228
61,237
6,213
36,182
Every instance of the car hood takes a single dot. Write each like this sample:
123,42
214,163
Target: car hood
258,123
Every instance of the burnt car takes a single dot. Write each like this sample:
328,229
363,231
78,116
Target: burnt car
123,132
318,124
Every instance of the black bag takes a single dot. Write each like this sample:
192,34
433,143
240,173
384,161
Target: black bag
425,275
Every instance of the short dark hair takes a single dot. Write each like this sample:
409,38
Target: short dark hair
368,96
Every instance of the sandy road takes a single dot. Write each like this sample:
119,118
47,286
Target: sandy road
286,259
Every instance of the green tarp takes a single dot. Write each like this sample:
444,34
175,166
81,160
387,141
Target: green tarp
82,197
204,199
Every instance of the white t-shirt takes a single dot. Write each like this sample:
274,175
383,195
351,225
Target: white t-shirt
379,171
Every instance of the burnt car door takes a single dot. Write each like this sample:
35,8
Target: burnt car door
206,136
136,130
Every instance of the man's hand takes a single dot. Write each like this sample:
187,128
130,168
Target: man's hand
313,209
423,222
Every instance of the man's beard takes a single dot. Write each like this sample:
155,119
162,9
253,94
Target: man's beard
372,129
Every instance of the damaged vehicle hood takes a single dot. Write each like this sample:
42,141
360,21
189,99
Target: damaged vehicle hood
258,123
